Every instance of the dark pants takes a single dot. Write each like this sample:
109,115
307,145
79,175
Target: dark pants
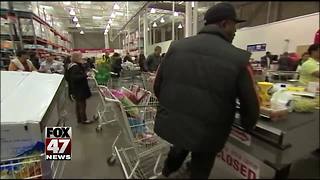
201,162
81,110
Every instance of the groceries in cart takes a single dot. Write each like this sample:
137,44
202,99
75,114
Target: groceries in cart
26,165
136,112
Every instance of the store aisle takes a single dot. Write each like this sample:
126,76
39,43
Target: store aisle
89,148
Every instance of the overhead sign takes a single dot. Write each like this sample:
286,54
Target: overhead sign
257,47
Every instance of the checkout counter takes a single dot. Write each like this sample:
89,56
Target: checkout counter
272,147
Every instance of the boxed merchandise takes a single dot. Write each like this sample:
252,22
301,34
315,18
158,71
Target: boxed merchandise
25,115
274,114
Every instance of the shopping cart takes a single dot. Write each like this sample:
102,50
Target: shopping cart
31,167
141,154
148,80
128,77
105,110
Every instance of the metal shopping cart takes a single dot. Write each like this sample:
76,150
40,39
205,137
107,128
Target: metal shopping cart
142,152
31,167
105,110
148,80
128,77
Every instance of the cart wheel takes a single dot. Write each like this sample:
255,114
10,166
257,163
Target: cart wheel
111,160
98,129
95,117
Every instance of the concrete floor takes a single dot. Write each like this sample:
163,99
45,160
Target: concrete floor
90,151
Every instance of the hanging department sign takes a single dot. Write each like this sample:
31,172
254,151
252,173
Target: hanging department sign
239,162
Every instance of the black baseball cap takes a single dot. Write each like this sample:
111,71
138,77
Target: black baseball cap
221,11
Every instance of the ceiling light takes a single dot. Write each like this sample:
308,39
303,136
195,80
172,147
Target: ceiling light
154,24
192,4
75,19
181,2
148,29
119,13
180,26
72,12
110,21
78,25
153,10
66,3
162,20
113,15
116,7
97,17
84,2
176,14
81,32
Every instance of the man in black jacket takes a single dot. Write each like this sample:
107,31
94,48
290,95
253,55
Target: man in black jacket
197,85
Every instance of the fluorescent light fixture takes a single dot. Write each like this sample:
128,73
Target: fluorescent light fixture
119,13
154,24
97,17
81,32
110,21
153,10
113,15
180,26
72,12
66,2
181,2
75,19
162,20
84,2
116,7
192,4
78,25
176,14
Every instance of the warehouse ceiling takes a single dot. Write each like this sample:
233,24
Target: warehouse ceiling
95,15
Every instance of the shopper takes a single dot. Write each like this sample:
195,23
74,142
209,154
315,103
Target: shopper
78,86
154,60
21,62
50,65
128,58
266,60
141,60
284,62
197,85
309,71
116,65
34,58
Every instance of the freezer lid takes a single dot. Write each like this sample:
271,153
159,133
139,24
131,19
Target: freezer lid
9,81
30,99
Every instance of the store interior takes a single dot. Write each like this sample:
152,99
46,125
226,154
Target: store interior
278,148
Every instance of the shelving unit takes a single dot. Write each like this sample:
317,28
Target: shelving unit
29,31
131,42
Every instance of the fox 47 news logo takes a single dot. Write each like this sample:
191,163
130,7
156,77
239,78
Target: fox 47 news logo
58,143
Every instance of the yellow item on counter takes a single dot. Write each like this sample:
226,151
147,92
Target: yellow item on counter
264,96
296,89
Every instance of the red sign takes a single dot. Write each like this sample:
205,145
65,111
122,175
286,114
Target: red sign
239,162
58,143
241,136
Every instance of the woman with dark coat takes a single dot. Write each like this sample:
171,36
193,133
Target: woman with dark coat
78,86
141,61
116,64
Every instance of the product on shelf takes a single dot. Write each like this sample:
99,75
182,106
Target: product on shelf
26,26
4,26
